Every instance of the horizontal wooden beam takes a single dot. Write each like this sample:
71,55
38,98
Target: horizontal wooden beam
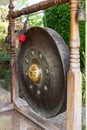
36,7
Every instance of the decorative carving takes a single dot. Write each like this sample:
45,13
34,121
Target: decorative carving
74,74
14,86
58,1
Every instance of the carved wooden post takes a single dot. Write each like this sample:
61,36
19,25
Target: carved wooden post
74,75
14,90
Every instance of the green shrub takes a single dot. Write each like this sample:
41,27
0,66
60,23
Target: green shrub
83,127
5,74
83,88
58,18
4,57
3,33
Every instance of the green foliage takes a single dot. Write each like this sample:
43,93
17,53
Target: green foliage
3,27
82,34
83,127
58,18
35,19
82,59
3,33
5,74
5,71
83,88
82,45
4,57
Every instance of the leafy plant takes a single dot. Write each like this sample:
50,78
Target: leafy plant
35,19
4,57
5,74
58,18
83,88
3,33
83,127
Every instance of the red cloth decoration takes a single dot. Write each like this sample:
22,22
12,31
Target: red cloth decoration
22,38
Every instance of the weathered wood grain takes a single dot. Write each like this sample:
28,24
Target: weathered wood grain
74,91
36,7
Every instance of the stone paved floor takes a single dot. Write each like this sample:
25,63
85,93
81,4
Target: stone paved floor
13,120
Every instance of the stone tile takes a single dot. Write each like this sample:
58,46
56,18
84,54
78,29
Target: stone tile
13,120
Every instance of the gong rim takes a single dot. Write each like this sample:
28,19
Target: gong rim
22,81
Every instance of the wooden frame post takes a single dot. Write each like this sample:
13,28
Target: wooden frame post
14,84
74,97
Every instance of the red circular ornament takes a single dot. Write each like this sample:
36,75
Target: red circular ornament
22,38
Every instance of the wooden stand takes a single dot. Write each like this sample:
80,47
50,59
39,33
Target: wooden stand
74,74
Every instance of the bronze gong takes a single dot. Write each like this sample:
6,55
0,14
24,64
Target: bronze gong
42,64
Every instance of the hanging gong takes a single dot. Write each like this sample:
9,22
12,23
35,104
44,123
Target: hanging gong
42,64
